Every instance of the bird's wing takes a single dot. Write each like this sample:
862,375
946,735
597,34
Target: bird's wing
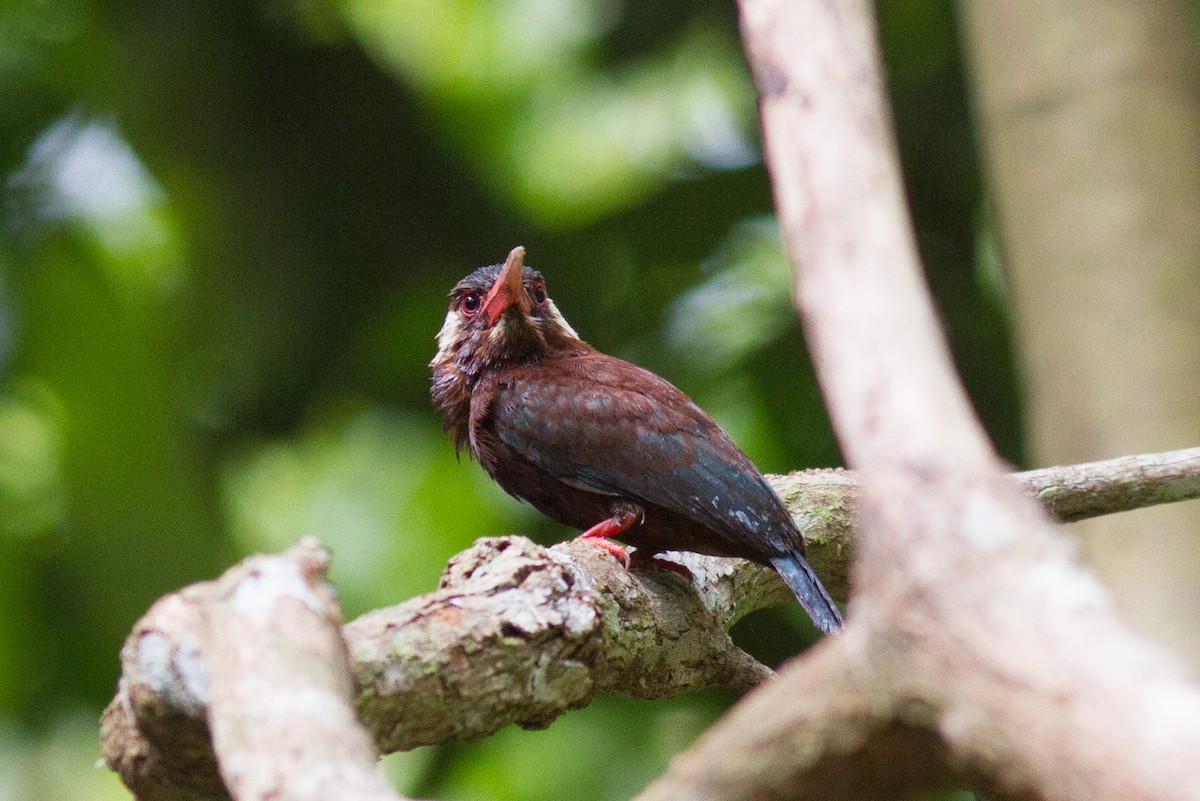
609,425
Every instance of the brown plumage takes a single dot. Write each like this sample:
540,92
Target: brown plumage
600,444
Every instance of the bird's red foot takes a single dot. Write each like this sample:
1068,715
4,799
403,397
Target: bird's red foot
601,533
615,548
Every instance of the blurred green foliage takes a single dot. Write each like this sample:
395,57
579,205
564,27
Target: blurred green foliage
228,231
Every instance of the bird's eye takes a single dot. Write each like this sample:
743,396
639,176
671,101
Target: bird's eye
539,294
471,303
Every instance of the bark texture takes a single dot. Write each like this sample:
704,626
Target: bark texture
518,633
977,648
971,618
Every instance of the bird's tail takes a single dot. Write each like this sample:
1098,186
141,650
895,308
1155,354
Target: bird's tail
809,591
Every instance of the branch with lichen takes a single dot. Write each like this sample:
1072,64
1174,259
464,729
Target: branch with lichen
824,502
515,633
519,633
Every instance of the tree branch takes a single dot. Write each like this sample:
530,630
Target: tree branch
832,739
518,633
255,658
825,502
281,710
1081,491
972,622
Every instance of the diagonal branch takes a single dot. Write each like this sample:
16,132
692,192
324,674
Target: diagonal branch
281,710
971,620
518,633
242,682
832,739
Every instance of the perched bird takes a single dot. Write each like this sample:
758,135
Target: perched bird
600,444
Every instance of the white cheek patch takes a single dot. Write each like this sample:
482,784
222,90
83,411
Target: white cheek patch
450,330
507,329
559,320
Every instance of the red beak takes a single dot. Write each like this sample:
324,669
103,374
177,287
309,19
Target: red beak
508,290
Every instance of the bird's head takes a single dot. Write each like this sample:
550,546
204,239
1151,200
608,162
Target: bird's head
499,315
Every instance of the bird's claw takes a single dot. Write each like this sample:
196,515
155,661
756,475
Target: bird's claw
614,548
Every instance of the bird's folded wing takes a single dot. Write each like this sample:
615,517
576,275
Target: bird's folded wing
649,444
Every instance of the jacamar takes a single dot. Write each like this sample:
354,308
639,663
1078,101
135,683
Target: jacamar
600,444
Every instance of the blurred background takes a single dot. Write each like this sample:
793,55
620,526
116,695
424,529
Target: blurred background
226,239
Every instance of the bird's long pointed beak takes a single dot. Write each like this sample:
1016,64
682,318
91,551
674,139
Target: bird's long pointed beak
508,289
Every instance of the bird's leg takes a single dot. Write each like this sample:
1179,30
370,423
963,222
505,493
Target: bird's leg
624,517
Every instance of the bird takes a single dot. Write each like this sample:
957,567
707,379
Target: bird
598,443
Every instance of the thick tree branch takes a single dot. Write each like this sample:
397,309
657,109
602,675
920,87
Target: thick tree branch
257,659
832,739
971,620
281,710
517,633
154,732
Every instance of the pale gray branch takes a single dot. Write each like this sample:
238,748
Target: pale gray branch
281,710
518,633
242,682
1080,491
825,501
832,738
971,621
